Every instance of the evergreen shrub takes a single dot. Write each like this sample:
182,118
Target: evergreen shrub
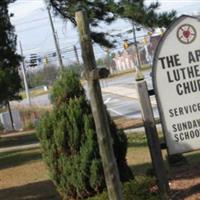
69,142
135,190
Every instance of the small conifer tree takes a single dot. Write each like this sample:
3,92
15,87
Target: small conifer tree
69,142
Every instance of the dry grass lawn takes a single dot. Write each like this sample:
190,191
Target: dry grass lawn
23,175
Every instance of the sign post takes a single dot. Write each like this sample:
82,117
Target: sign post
152,136
176,80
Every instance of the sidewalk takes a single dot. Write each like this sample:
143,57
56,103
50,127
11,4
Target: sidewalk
125,92
125,123
19,148
13,134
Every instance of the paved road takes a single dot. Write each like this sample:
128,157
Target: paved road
120,106
121,102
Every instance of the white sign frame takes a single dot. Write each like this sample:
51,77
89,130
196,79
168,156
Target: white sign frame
173,138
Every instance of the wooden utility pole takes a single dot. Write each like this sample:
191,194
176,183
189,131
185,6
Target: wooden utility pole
98,110
24,76
58,53
152,136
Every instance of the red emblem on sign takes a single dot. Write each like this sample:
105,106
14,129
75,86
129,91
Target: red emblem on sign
186,33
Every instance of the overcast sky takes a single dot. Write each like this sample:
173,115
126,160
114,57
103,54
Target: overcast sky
33,30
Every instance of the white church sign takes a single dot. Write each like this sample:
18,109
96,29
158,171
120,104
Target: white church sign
176,80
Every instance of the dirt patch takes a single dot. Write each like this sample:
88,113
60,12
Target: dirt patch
185,183
184,178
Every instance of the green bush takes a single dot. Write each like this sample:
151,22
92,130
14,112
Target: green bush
134,190
69,143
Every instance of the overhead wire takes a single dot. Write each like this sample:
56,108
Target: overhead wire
31,28
30,21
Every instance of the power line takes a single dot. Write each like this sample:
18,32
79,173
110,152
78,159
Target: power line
31,21
45,40
31,28
29,1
